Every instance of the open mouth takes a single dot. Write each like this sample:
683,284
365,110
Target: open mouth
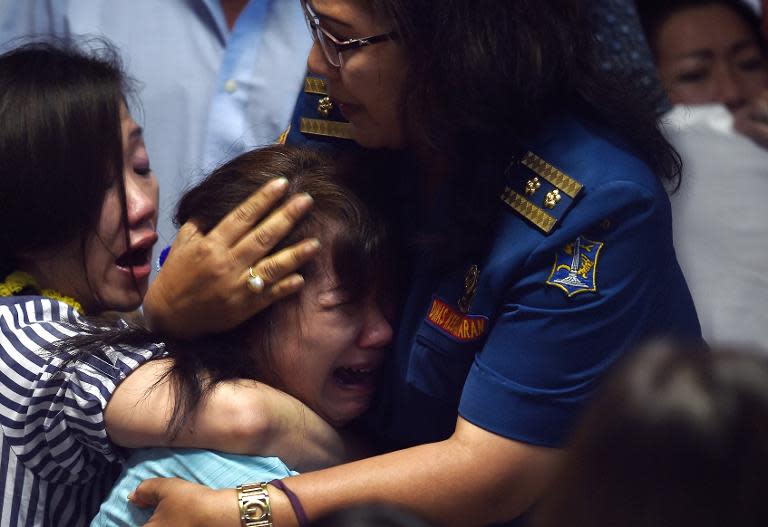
355,377
136,260
135,257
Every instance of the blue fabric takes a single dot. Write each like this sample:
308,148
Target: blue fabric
542,351
207,94
213,469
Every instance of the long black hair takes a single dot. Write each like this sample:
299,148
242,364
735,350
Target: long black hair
60,143
484,76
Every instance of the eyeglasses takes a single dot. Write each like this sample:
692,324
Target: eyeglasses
332,47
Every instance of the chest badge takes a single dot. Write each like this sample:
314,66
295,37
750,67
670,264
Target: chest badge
470,288
456,322
575,267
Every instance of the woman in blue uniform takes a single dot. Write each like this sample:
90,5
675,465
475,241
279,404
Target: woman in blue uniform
543,252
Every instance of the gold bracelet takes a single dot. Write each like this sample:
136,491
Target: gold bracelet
253,500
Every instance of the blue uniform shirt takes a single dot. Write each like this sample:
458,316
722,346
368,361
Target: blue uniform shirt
580,269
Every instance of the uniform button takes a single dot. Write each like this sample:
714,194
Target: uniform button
230,86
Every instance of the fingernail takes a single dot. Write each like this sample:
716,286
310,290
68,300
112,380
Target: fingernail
303,201
280,183
130,497
312,245
296,281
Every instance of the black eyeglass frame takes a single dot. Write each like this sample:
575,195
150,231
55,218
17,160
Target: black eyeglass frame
322,36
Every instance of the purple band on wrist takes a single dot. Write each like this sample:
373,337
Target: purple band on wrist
298,510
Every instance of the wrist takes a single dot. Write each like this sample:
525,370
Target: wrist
266,505
293,499
223,510
282,511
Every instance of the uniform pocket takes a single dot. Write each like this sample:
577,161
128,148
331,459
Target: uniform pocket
438,366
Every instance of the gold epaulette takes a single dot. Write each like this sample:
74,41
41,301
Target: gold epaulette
325,128
320,116
528,210
542,197
315,85
555,176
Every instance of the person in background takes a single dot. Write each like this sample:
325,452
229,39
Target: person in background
675,437
712,60
711,52
216,77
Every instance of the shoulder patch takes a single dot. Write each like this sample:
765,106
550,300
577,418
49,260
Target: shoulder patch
541,193
575,267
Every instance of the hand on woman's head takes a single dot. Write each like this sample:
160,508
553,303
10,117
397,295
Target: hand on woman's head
203,285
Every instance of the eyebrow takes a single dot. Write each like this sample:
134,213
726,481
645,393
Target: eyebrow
742,45
697,54
707,54
334,21
329,18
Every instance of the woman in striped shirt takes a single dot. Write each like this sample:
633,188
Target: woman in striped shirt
79,208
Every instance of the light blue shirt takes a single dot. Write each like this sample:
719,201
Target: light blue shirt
212,469
207,93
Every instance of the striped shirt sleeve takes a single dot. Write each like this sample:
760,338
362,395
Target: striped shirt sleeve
52,413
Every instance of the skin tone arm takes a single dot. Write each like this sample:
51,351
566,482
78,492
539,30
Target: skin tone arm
240,417
473,478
